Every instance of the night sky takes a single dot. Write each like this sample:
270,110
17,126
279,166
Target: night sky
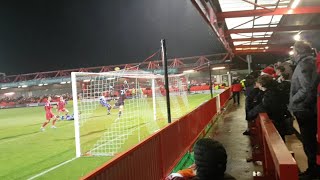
47,35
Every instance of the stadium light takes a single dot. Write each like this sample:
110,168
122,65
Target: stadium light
86,80
291,53
9,94
218,68
19,86
297,37
110,78
40,84
267,47
63,82
24,86
4,88
188,71
295,4
45,84
69,82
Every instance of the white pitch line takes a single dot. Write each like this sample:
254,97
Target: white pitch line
30,135
53,168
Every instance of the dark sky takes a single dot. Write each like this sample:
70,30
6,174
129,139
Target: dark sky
42,35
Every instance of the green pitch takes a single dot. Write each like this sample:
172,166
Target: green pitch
26,152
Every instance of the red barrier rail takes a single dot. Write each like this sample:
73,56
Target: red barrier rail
269,148
155,157
224,97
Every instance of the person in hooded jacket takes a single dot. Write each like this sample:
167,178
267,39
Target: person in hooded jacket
303,102
271,103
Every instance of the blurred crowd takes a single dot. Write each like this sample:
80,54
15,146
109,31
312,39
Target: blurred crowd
20,100
288,91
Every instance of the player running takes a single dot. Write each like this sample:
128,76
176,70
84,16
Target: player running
49,115
121,99
62,108
105,103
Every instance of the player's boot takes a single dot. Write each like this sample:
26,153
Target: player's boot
53,127
108,113
42,129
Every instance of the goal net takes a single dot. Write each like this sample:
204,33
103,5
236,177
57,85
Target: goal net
115,110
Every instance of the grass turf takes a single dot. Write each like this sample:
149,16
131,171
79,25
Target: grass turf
25,151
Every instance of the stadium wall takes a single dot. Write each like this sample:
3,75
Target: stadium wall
155,157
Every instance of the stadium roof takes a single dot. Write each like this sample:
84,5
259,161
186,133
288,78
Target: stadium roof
258,26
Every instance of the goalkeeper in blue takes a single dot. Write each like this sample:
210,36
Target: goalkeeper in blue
105,103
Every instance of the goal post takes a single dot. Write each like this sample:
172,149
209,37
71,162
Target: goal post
116,110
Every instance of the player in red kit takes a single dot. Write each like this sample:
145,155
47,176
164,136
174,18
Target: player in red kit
62,107
49,115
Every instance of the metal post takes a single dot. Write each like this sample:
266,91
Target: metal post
166,79
249,59
210,79
76,114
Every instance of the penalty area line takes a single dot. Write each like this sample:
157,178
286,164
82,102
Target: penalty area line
51,169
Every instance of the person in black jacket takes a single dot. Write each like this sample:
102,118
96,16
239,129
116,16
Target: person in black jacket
271,103
303,95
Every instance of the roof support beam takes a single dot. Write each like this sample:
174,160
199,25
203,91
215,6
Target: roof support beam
274,29
209,15
257,5
251,39
277,50
263,12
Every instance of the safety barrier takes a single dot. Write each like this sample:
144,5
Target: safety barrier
155,157
224,97
269,148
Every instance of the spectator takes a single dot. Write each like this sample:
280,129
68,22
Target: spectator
210,163
253,96
271,104
302,84
236,89
279,71
268,71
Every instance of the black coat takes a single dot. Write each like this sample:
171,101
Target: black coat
272,103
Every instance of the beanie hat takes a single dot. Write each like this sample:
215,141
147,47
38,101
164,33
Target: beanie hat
268,71
210,159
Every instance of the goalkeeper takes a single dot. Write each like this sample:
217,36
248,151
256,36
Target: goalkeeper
105,103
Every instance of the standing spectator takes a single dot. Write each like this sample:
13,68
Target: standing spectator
301,106
268,71
279,71
236,89
271,104
253,96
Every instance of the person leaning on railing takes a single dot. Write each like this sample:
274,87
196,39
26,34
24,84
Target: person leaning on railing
272,103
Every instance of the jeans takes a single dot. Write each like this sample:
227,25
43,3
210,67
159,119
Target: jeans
307,121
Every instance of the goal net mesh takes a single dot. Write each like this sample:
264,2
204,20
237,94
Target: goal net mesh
118,109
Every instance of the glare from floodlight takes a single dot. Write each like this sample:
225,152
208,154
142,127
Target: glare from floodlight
4,88
290,11
45,84
86,80
188,71
9,94
218,68
267,47
63,82
69,82
297,37
295,4
291,53
40,84
24,86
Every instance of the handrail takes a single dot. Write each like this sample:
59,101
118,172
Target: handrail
277,160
